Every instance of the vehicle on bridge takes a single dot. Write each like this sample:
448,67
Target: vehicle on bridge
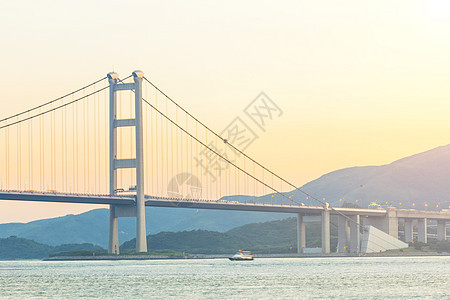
374,205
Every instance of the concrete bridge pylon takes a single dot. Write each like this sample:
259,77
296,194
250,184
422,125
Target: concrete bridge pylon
136,163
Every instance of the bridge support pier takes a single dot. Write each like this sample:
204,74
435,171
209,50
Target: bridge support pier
387,224
422,230
441,230
343,234
113,243
326,230
408,230
391,223
355,234
301,234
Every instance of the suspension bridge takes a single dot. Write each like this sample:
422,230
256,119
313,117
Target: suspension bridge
125,143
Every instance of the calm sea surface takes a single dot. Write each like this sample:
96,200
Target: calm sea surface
264,278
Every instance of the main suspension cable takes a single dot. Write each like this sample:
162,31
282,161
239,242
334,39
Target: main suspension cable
324,203
52,101
52,109
215,152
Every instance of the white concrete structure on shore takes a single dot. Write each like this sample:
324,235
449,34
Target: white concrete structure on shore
374,240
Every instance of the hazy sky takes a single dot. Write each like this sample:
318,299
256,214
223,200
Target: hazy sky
359,82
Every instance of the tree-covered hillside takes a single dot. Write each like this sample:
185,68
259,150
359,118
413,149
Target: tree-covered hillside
19,248
268,237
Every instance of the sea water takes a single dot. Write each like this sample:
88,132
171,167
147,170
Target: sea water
263,278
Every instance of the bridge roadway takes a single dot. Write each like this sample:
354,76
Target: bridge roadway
262,207
183,203
216,204
66,198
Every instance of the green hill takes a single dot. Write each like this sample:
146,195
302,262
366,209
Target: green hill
269,237
195,241
19,248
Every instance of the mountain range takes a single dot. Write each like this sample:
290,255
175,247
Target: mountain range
419,181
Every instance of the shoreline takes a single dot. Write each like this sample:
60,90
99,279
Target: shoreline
226,256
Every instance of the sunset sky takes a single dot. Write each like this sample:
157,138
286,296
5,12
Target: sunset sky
359,82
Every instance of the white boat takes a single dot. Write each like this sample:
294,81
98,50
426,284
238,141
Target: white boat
242,255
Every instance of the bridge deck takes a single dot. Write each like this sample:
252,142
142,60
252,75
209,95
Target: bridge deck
66,198
213,204
420,214
251,206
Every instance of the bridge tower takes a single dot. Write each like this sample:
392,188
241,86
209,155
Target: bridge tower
136,163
